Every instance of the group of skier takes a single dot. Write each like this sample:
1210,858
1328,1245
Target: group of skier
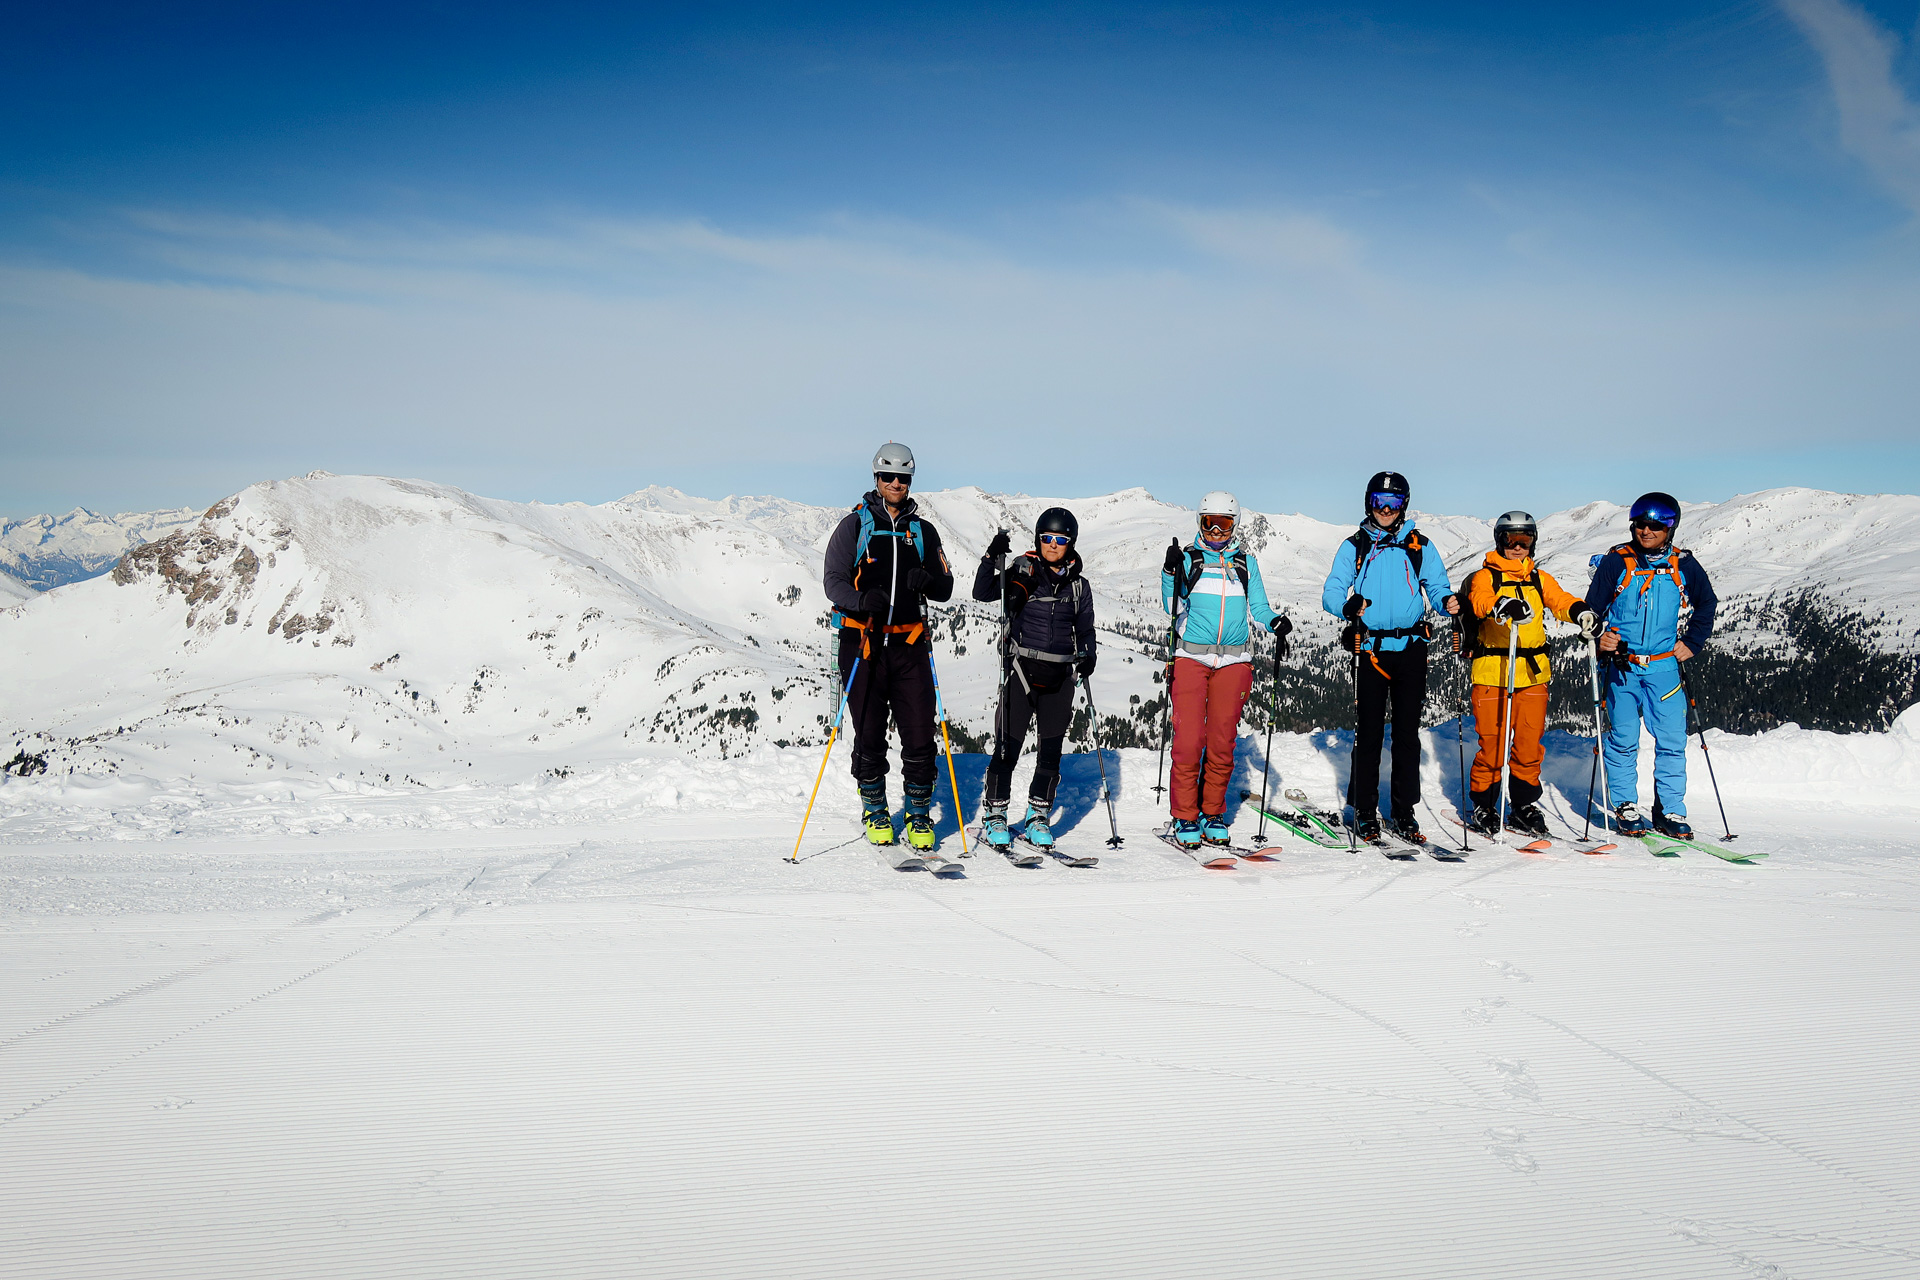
885,561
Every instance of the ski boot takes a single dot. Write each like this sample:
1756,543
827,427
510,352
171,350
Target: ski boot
1186,833
1036,830
1629,821
1214,829
1668,824
1528,820
876,815
920,818
1367,827
1408,829
1485,821
993,827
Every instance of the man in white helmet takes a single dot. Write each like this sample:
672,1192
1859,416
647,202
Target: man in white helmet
1213,590
883,564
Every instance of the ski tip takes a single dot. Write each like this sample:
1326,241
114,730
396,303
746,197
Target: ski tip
1219,863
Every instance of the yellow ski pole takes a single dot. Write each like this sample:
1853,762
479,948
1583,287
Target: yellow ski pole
831,735
953,779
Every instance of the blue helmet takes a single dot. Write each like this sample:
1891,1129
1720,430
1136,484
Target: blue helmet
1662,509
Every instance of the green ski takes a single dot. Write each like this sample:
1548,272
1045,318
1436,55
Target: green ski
1667,847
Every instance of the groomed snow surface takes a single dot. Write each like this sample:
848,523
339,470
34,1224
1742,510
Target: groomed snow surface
595,1026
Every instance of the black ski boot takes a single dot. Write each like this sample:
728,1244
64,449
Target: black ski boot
1485,821
1668,825
1528,820
1408,829
1367,827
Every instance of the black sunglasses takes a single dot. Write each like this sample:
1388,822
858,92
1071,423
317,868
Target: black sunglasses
1647,522
891,477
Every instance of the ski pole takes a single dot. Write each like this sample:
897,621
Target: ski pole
1502,801
1166,714
1353,800
1599,758
1701,726
953,779
1460,705
1266,756
1099,756
1005,659
845,694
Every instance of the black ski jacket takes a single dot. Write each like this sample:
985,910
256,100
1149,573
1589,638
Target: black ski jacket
1049,610
885,566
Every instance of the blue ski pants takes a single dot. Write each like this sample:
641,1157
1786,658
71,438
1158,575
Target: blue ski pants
1651,693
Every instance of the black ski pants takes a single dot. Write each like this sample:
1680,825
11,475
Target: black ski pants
1050,703
1398,679
895,680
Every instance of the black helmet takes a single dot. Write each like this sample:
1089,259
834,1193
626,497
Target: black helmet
1514,522
1056,520
1656,508
1387,482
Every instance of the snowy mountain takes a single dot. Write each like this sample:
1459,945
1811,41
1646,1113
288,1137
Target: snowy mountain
12,590
384,631
48,551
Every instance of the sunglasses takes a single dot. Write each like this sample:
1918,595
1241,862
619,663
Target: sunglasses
1055,539
1648,522
1386,501
891,477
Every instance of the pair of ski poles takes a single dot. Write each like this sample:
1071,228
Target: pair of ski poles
1599,759
940,709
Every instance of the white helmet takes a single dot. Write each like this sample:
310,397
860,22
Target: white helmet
894,457
1219,503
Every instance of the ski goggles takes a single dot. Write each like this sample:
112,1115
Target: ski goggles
1055,540
891,477
1216,526
1386,501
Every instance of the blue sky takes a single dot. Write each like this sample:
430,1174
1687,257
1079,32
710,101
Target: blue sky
1530,255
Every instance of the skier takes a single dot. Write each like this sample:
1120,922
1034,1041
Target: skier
1510,594
883,564
1212,588
1048,639
1641,588
1376,585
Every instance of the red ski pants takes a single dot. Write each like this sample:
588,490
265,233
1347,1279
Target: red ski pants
1206,717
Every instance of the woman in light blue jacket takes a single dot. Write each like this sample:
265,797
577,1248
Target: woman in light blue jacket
1213,590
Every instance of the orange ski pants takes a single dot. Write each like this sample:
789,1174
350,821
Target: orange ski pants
1206,718
1529,723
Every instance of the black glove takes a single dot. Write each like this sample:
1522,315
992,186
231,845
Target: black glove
919,580
1512,609
1354,607
1000,545
1085,665
1587,620
875,602
1175,563
1281,626
1352,636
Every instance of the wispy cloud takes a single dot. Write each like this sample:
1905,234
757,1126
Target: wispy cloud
1879,124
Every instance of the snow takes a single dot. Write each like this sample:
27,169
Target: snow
13,590
301,974
47,551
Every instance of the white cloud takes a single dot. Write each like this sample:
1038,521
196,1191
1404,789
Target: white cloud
1879,124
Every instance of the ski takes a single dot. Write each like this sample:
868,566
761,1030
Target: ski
1299,800
1211,859
1292,824
907,860
1666,846
1018,857
1509,837
1071,860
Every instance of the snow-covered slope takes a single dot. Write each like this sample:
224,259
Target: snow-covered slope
47,551
13,591
386,630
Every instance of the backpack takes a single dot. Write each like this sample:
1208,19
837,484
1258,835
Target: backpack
1415,547
868,532
1637,567
1470,622
1197,565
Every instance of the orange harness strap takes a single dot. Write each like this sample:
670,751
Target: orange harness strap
1647,659
911,630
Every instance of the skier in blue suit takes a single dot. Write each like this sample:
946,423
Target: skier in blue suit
1640,589
1384,579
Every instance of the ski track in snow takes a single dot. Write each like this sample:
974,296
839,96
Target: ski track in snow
631,1040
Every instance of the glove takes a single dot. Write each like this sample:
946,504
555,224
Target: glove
1281,626
1085,666
1587,620
875,602
1512,609
1175,563
918,580
1000,545
1353,608
1352,636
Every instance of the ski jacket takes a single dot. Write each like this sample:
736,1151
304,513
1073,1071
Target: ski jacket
893,546
1048,610
1500,576
1384,572
1641,596
1216,612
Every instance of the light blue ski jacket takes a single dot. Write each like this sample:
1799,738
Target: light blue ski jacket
1386,578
